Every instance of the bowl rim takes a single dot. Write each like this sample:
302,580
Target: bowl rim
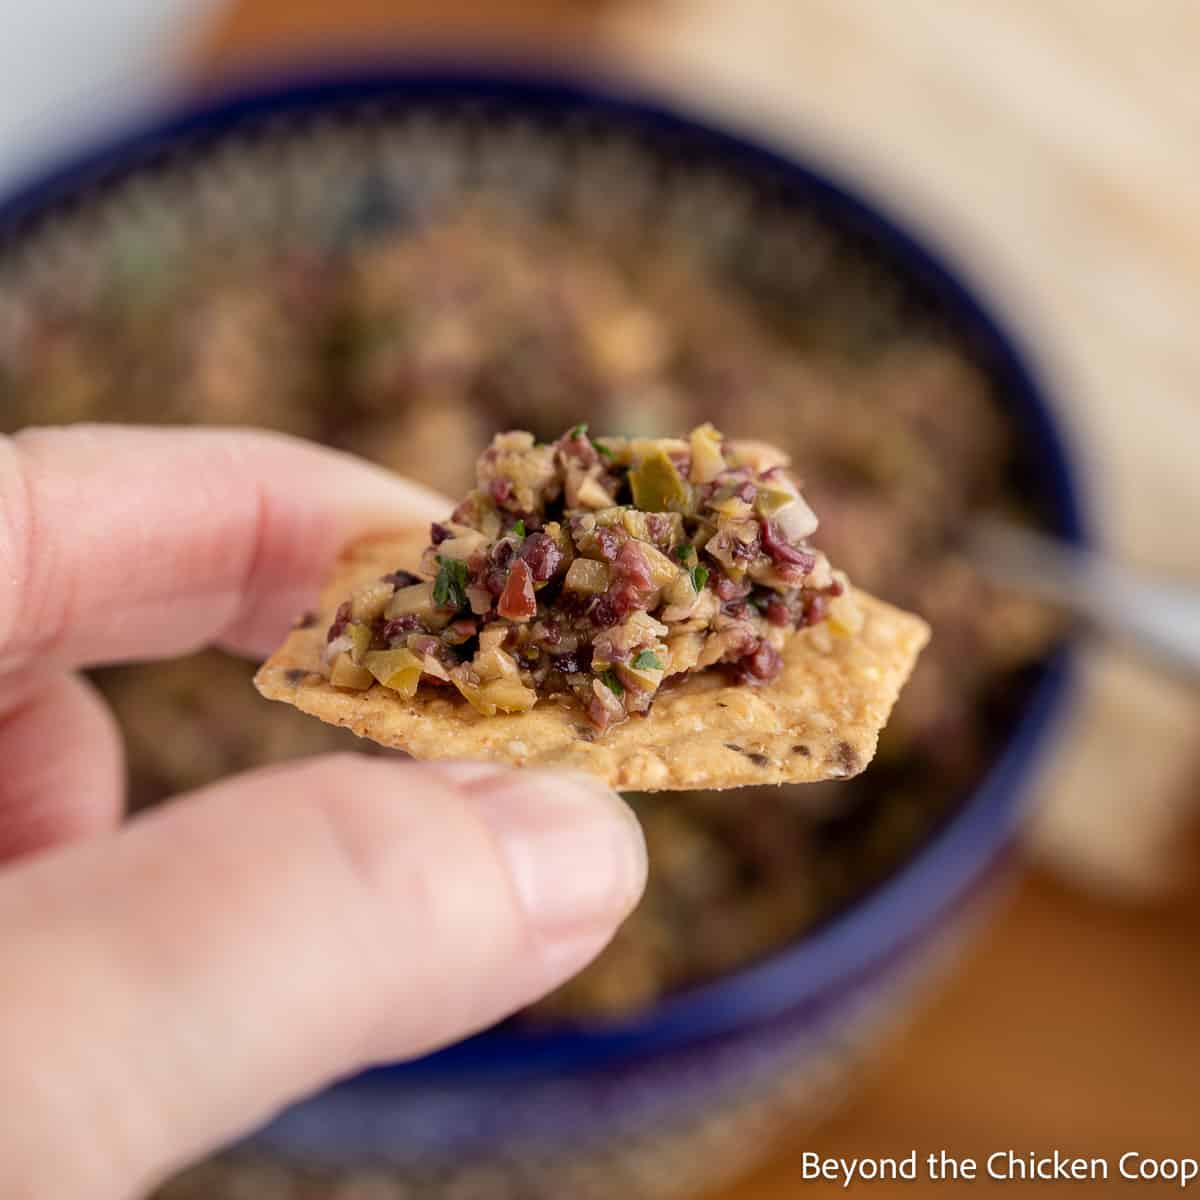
899,911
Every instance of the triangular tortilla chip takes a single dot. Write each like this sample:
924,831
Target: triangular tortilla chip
820,719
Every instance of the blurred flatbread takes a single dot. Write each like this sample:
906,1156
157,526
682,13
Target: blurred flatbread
820,719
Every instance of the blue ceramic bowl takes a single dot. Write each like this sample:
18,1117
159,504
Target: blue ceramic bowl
687,1091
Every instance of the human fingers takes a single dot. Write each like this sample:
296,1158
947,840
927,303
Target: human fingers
173,985
62,775
134,543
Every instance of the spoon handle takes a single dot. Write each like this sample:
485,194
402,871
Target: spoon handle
1159,617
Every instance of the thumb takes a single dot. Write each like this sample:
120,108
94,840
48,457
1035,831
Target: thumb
174,984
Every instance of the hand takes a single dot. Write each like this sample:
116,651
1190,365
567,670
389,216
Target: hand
169,985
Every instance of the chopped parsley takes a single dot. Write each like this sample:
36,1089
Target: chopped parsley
518,530
610,679
647,661
450,586
581,431
686,553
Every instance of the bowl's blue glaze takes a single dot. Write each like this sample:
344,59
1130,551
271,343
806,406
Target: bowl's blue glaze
788,996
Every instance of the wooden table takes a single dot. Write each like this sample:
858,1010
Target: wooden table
1054,143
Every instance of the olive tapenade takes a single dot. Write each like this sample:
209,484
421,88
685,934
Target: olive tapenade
594,569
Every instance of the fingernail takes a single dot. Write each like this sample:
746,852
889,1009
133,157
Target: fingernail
574,848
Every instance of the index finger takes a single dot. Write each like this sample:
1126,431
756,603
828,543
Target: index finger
122,543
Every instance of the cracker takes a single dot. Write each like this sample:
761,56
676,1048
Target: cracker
820,719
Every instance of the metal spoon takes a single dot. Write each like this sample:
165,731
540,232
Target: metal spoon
1159,617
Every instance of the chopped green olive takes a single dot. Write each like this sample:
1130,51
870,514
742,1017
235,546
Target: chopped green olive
416,600
346,673
461,548
587,576
662,570
657,486
508,695
368,602
360,635
399,670
770,501
498,695
639,525
707,459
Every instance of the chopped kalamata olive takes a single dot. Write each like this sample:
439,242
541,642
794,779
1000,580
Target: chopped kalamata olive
494,580
605,707
570,664
396,628
631,567
438,533
762,665
782,551
501,491
399,579
731,589
609,542
340,621
549,632
517,601
578,446
743,551
608,609
460,631
790,575
815,609
777,613
542,555
659,528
